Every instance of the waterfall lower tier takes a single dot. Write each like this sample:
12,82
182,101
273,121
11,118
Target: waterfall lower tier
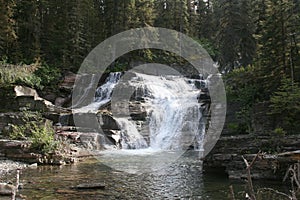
130,137
174,112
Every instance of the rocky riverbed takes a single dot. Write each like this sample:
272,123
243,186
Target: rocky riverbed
8,168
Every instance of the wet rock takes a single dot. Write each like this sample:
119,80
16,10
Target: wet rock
86,120
137,111
85,186
107,122
92,141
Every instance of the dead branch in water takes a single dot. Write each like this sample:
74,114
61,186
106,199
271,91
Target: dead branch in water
293,171
249,178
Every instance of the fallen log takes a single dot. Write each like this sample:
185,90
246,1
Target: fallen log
86,186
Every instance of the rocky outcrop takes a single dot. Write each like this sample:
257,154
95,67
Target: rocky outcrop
28,98
229,150
21,151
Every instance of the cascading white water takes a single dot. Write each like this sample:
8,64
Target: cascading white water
174,111
103,93
172,105
131,138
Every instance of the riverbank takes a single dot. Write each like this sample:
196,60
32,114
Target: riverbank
278,153
9,167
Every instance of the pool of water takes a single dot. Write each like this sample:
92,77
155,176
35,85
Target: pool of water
183,179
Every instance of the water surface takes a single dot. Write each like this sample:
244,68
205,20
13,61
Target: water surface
184,179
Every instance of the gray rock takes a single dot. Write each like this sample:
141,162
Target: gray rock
7,189
85,186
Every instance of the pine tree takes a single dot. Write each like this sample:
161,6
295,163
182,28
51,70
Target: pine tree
236,43
276,55
172,15
144,14
28,20
7,24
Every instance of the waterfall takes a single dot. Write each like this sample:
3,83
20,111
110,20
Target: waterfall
131,138
174,111
103,93
171,102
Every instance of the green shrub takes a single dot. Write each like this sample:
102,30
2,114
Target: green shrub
285,105
37,130
49,76
279,131
36,75
11,74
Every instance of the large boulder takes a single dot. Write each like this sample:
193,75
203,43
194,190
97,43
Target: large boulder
29,98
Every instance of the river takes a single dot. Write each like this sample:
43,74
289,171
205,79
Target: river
183,179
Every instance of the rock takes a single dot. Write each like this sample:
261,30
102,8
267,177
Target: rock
61,101
68,81
137,111
85,186
91,141
228,153
7,98
107,122
50,97
29,98
7,189
6,119
33,166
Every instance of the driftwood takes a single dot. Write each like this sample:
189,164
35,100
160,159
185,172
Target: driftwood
232,192
248,168
293,171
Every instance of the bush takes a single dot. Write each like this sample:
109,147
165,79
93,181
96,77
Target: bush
279,131
11,74
285,105
37,130
36,75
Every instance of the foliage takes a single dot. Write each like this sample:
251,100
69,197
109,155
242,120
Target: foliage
22,73
285,105
235,39
237,128
243,90
49,76
35,75
37,130
280,131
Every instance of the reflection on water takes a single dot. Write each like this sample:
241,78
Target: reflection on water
140,161
182,180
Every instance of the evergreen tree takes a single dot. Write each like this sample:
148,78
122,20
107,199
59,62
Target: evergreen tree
276,55
28,20
172,14
144,13
7,23
236,43
55,34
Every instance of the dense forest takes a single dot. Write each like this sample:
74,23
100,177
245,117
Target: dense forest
255,43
